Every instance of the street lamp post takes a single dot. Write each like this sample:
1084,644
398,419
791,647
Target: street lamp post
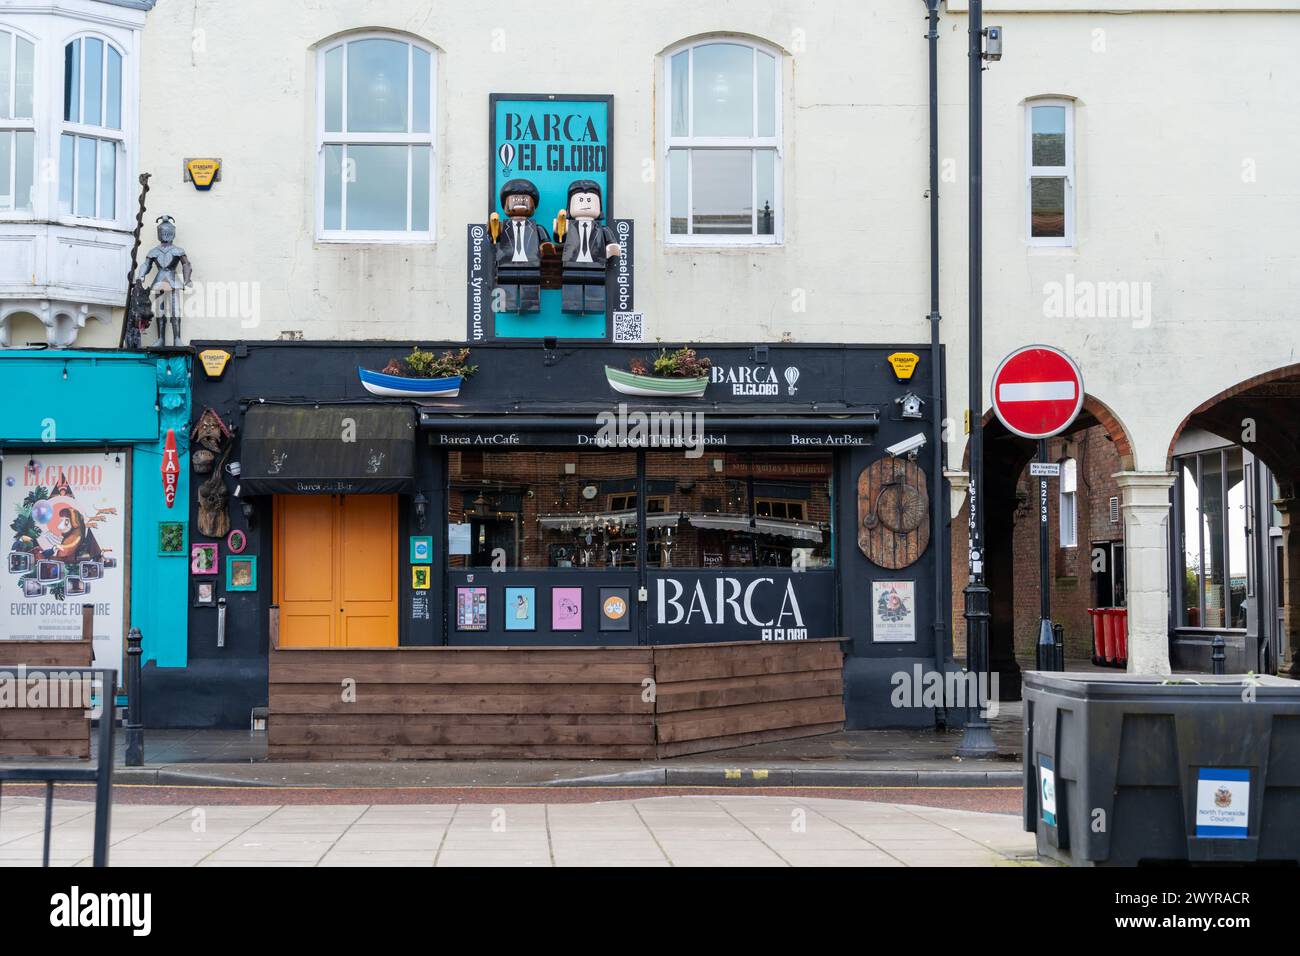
977,740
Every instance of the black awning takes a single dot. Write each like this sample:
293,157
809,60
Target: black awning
328,449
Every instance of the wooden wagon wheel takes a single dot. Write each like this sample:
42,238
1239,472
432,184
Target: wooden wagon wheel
893,513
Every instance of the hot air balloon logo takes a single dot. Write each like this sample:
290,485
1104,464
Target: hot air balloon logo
791,376
507,156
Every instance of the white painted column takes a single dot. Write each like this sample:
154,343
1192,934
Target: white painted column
1145,508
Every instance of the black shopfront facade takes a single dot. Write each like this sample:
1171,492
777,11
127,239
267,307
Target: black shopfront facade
541,507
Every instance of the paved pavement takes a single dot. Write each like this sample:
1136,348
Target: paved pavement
713,830
864,758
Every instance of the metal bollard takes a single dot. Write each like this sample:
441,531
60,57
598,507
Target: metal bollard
1058,635
1218,654
1045,652
134,703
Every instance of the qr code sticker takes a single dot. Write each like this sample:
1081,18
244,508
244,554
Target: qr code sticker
629,326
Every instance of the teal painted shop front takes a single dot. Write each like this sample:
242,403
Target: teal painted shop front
82,434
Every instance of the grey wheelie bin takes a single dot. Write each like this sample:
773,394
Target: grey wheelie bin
1124,770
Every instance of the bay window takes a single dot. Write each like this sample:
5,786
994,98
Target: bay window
17,121
91,142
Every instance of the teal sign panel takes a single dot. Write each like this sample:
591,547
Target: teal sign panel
77,397
550,141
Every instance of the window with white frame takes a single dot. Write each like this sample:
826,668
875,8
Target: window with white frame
375,119
1050,163
91,143
17,121
1069,504
723,143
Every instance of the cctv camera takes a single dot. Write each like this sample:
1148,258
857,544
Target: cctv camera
908,446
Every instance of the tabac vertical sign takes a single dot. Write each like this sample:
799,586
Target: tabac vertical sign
171,468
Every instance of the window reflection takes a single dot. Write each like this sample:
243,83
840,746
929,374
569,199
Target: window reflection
572,509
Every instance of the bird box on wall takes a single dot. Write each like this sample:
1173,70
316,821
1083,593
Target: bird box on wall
893,512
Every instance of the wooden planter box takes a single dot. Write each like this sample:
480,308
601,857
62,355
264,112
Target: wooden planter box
46,731
552,703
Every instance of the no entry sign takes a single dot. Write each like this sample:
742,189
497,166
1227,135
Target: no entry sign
1037,391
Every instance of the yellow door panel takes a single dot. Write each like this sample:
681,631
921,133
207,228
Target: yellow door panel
336,570
368,570
305,570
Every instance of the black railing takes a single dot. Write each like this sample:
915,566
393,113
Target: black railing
100,773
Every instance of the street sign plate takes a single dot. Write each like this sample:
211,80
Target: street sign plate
1045,469
1037,391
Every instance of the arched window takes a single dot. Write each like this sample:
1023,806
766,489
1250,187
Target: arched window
17,121
90,147
1049,151
723,143
375,130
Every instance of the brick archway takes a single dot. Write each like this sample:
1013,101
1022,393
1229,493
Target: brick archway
1259,413
1006,457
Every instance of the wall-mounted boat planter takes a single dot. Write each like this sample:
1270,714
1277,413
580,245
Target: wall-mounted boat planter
654,386
401,386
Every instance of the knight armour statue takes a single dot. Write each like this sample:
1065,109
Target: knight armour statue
168,259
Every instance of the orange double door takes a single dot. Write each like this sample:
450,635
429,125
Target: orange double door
336,570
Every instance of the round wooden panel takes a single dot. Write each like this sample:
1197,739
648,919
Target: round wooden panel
893,512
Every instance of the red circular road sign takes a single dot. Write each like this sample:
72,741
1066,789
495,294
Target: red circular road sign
1037,391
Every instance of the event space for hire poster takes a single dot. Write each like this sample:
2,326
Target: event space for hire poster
65,523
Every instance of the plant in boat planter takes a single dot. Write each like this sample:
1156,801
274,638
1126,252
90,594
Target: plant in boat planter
421,374
421,364
682,373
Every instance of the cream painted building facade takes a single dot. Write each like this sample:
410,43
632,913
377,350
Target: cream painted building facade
1174,280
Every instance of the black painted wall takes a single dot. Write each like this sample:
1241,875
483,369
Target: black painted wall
221,685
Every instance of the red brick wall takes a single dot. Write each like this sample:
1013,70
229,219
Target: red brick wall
1071,568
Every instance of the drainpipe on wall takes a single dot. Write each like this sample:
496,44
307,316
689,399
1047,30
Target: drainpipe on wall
942,556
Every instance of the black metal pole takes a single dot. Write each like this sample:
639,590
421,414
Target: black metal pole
1046,639
134,704
942,555
977,740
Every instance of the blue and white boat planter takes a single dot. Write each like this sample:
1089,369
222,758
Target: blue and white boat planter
653,386
399,386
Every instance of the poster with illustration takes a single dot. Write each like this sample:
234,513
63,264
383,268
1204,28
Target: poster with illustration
65,530
893,611
566,609
471,609
521,609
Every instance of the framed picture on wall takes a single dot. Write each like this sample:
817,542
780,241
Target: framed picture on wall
204,593
203,558
566,609
420,577
615,609
241,573
236,541
521,609
171,539
893,611
471,609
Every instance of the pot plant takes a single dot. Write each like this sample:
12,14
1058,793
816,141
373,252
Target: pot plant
680,373
420,375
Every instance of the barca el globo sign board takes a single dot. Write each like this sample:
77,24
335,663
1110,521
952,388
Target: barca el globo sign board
1037,391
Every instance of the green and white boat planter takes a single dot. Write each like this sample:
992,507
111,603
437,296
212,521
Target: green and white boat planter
655,386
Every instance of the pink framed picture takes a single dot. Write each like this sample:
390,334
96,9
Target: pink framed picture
566,609
203,558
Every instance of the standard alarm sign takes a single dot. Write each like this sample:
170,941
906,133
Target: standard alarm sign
1037,391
